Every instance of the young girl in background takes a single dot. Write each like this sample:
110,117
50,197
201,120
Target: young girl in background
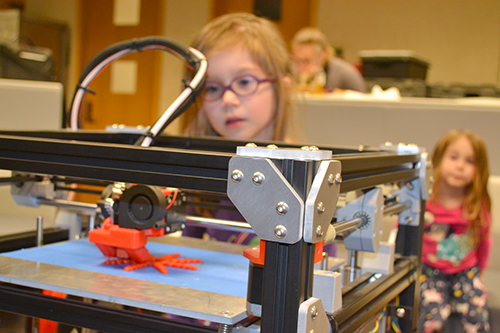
246,95
456,243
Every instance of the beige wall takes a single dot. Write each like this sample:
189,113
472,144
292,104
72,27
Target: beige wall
460,38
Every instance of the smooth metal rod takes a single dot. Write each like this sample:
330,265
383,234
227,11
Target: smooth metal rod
79,206
353,224
353,264
39,231
347,225
91,222
218,223
396,208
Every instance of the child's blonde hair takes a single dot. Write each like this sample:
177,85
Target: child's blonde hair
477,197
313,36
264,42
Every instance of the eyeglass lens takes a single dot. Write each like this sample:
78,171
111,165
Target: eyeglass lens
241,86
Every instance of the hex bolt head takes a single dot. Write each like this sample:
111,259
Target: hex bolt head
237,176
280,231
331,179
319,232
258,178
226,313
400,312
282,208
321,208
314,312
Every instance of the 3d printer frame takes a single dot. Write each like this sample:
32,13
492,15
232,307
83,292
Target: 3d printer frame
202,165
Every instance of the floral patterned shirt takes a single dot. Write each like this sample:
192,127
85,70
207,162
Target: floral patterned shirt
447,245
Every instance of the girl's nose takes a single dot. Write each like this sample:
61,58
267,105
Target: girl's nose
229,98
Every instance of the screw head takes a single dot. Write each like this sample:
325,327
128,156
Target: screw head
251,145
400,312
304,148
319,232
258,178
226,313
408,219
314,312
271,146
331,179
313,148
338,179
321,208
237,176
282,208
280,231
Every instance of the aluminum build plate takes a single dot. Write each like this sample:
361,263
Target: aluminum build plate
215,292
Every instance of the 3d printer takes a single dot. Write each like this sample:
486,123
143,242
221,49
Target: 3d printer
293,197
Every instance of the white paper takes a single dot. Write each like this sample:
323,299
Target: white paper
126,12
9,26
124,77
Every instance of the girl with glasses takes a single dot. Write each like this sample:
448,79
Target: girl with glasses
246,95
247,92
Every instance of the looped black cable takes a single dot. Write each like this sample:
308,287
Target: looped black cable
141,44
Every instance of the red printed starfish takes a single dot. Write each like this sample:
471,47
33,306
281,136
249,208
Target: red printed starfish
170,260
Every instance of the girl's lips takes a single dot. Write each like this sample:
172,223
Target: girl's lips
234,122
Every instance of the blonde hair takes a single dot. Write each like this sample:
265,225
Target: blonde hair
264,42
314,36
477,197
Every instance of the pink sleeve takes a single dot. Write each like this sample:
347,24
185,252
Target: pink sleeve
484,248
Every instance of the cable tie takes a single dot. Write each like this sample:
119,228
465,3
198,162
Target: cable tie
196,61
135,46
148,134
187,85
86,89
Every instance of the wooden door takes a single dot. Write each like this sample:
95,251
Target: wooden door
294,14
107,108
97,33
